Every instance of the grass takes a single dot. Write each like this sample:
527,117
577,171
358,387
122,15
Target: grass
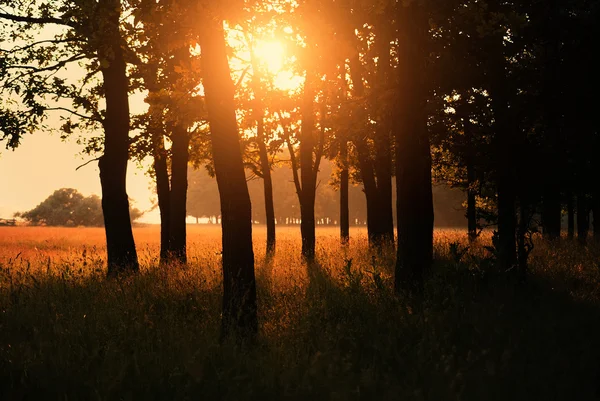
330,331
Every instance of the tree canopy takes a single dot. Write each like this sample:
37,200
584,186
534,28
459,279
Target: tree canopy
67,207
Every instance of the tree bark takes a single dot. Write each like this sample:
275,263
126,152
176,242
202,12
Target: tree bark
178,194
239,282
120,245
344,184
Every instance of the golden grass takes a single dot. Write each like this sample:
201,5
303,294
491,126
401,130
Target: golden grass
326,332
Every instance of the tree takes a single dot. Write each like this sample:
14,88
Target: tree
414,202
171,75
239,282
67,207
90,33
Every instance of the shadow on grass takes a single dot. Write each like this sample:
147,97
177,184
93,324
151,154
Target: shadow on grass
155,337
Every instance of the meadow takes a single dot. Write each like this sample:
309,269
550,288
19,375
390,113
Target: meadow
332,330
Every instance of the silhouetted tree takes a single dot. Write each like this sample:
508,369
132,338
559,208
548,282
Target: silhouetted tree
239,283
89,33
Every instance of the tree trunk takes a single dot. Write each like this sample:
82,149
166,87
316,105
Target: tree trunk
307,173
504,142
163,192
178,195
506,223
267,187
382,141
379,216
471,203
120,245
551,213
414,201
583,219
523,247
383,171
344,184
596,216
239,283
570,217
414,205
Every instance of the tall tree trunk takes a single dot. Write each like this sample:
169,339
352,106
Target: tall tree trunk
383,171
583,219
596,216
523,247
382,140
377,181
374,175
414,201
344,184
120,245
178,195
504,143
307,173
506,222
471,203
570,216
239,282
471,181
551,212
367,173
265,167
162,191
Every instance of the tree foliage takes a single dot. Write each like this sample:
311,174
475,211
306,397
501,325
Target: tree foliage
67,207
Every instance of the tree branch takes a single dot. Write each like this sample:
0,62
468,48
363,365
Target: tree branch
53,67
86,163
41,42
40,21
73,112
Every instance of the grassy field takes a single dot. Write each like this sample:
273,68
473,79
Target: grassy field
329,331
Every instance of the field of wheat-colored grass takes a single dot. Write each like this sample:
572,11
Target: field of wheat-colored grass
332,330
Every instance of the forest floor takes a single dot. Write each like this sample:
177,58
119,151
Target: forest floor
329,331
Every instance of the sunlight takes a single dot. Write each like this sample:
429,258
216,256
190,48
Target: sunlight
272,55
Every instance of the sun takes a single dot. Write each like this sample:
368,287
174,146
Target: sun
271,55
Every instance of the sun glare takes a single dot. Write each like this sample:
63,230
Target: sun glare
272,55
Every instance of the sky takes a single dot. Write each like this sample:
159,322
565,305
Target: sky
44,163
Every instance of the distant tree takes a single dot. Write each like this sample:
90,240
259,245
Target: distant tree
203,195
67,207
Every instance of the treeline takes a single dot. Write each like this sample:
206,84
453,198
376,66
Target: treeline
203,199
494,97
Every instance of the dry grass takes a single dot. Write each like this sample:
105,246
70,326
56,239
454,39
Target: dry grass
333,330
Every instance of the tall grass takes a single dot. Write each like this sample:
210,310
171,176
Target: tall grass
329,331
